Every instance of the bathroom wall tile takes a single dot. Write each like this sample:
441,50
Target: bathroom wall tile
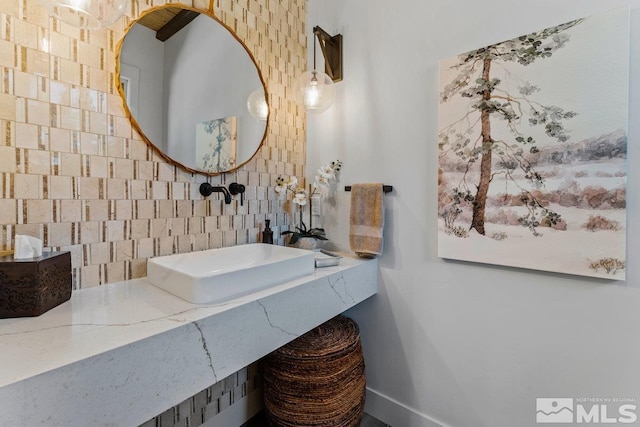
144,209
37,62
177,226
165,245
37,162
115,272
70,210
116,189
74,96
139,229
229,238
98,123
25,34
89,143
195,226
60,140
165,208
90,276
7,211
69,71
27,187
7,107
59,93
7,51
26,135
60,234
70,118
124,168
60,187
200,242
138,267
114,231
39,211
98,167
137,189
122,127
38,112
215,239
159,227
25,85
69,164
7,159
146,248
97,210
91,188
76,254
123,210
102,184
59,45
183,244
90,232
159,190
99,253
183,208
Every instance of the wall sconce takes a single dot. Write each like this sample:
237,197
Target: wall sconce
257,104
314,89
88,14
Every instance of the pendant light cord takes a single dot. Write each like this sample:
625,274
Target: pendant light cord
314,51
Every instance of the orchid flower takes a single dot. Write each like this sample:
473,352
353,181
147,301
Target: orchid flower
300,198
326,173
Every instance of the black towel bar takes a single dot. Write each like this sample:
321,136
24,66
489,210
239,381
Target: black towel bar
385,188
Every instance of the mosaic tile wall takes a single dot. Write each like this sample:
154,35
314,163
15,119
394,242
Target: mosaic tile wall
73,172
205,405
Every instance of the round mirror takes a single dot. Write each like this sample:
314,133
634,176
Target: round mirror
186,79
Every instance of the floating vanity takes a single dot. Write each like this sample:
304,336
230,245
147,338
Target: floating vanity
123,353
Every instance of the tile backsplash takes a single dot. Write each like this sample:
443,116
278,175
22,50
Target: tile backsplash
75,174
205,405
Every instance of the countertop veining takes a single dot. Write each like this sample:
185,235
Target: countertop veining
137,349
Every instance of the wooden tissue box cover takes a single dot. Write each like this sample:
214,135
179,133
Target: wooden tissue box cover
32,286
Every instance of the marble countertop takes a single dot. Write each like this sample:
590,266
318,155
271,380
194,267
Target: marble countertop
122,353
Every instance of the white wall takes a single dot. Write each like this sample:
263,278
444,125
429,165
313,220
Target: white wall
146,53
454,343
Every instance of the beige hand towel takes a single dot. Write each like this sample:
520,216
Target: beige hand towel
366,219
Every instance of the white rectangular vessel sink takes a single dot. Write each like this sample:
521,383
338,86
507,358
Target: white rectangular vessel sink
215,275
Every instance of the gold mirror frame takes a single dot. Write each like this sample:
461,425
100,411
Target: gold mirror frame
132,119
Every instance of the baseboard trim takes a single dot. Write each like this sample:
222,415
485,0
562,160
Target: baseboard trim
397,414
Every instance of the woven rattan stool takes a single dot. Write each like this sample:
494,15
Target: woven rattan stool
318,379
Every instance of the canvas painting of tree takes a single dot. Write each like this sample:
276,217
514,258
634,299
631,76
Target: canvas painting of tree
533,147
216,144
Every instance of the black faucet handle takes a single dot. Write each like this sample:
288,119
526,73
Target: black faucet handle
235,188
206,189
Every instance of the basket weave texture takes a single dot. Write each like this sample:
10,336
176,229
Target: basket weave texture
317,380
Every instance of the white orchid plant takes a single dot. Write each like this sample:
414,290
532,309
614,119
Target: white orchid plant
322,182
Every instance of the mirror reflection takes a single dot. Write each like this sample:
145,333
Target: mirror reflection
186,80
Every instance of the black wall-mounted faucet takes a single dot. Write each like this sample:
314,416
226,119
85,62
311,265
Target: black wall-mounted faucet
206,189
235,188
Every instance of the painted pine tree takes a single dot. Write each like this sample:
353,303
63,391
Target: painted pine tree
490,102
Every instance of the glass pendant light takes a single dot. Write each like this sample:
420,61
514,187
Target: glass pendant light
87,14
257,104
314,90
